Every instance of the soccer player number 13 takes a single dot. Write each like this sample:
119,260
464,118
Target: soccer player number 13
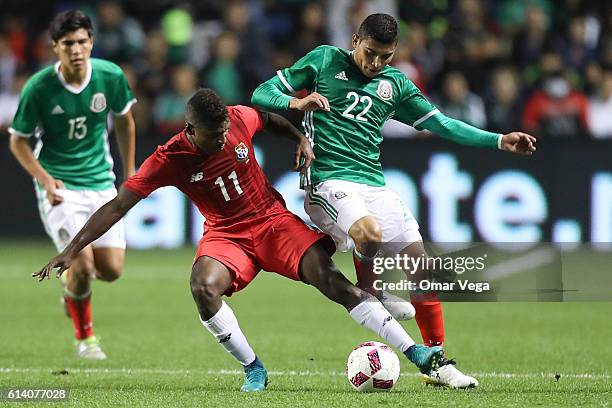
221,184
78,128
356,99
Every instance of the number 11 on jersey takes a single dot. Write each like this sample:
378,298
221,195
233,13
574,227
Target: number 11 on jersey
221,184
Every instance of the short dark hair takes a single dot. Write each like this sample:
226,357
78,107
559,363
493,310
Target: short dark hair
69,21
379,27
206,109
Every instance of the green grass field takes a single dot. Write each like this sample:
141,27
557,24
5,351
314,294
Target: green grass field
160,355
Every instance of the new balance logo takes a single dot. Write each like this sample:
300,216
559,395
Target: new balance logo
226,338
197,177
387,319
57,110
341,75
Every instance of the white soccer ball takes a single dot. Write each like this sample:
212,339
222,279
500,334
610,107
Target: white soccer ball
373,366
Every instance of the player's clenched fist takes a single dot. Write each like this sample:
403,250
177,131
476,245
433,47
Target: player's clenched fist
312,102
51,185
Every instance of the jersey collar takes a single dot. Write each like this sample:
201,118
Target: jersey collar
73,89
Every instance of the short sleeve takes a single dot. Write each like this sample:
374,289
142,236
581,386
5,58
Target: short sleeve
251,118
27,115
413,108
123,98
303,74
155,172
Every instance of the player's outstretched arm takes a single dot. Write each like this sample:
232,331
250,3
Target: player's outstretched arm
461,132
125,133
270,95
100,222
279,126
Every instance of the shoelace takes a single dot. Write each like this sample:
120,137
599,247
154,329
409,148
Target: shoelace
446,361
256,375
93,345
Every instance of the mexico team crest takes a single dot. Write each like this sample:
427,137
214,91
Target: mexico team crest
384,90
98,102
242,153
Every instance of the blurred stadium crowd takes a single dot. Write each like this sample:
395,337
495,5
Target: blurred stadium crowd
541,66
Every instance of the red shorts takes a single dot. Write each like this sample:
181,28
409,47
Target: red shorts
275,243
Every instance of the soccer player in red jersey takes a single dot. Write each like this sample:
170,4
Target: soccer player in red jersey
247,228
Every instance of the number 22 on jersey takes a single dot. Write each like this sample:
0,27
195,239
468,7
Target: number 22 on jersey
356,99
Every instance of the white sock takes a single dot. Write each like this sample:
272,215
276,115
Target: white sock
224,326
373,315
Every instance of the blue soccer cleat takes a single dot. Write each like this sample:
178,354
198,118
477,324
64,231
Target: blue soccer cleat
255,377
425,358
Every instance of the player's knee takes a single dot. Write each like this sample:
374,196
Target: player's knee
83,269
110,274
367,236
204,289
109,271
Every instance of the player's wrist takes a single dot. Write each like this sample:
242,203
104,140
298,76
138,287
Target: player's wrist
293,103
45,180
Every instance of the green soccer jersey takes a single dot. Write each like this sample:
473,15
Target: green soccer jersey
70,123
346,140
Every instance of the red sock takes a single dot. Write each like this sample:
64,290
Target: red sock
80,311
429,318
365,274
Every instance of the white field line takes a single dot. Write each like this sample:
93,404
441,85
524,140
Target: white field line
8,370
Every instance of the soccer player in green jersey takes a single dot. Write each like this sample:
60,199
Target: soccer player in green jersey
65,107
350,96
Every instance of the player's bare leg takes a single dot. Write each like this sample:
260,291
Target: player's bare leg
109,263
209,281
318,270
431,323
77,298
367,235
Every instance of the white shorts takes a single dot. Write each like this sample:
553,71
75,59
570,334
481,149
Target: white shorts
63,221
335,205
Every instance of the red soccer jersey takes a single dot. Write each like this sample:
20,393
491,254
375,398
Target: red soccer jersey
228,187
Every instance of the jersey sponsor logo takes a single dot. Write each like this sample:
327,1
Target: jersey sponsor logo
197,177
384,90
341,75
98,102
57,110
242,153
339,195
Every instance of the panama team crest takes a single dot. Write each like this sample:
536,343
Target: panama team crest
384,90
242,153
98,102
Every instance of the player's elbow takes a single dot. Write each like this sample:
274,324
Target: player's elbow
256,97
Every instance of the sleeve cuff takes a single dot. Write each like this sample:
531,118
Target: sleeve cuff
285,99
15,132
127,107
499,141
